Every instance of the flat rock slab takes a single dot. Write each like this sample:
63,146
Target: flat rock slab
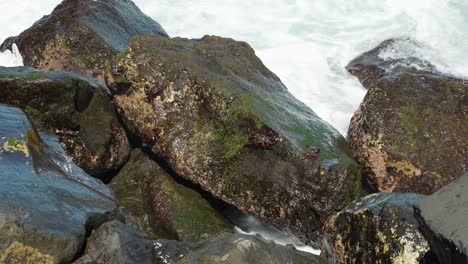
443,218
46,201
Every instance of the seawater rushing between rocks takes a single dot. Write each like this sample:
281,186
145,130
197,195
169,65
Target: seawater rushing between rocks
306,43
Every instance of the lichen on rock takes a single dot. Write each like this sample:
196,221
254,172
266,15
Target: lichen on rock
409,133
196,103
379,228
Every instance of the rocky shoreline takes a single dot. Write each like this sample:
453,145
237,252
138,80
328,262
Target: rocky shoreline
117,139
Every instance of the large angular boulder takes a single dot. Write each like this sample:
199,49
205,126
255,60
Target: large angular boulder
410,132
221,119
82,35
77,108
238,248
47,204
442,217
117,243
217,115
160,206
379,228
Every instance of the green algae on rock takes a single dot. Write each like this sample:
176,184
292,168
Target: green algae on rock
77,108
162,207
47,203
206,107
379,228
410,132
82,36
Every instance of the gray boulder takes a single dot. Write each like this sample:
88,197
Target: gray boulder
238,248
118,243
443,219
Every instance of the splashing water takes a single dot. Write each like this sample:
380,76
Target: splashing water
306,43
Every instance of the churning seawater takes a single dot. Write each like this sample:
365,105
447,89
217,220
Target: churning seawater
307,43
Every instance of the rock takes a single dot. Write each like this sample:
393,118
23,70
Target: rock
237,248
117,243
442,217
77,108
162,207
379,228
222,120
82,36
217,115
47,203
409,133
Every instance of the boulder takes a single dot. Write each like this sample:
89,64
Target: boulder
48,204
214,112
237,248
379,228
77,108
442,217
117,243
82,35
410,133
160,206
222,120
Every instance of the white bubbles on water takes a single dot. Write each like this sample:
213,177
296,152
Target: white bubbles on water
306,43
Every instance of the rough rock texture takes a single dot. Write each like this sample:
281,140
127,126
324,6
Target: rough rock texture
117,243
46,202
82,35
443,219
379,228
237,248
162,207
410,132
221,119
78,109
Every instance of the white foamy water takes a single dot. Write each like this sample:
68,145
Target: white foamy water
306,43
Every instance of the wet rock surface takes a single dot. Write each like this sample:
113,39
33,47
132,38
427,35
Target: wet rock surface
410,133
47,203
82,35
117,243
442,217
156,203
222,120
379,228
239,248
77,108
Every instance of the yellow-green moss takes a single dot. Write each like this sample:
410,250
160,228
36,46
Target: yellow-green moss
18,253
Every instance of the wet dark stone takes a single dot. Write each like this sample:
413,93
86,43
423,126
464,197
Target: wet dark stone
409,134
47,203
379,228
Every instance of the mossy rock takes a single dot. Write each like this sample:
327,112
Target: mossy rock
197,103
410,133
82,36
161,207
379,228
77,108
